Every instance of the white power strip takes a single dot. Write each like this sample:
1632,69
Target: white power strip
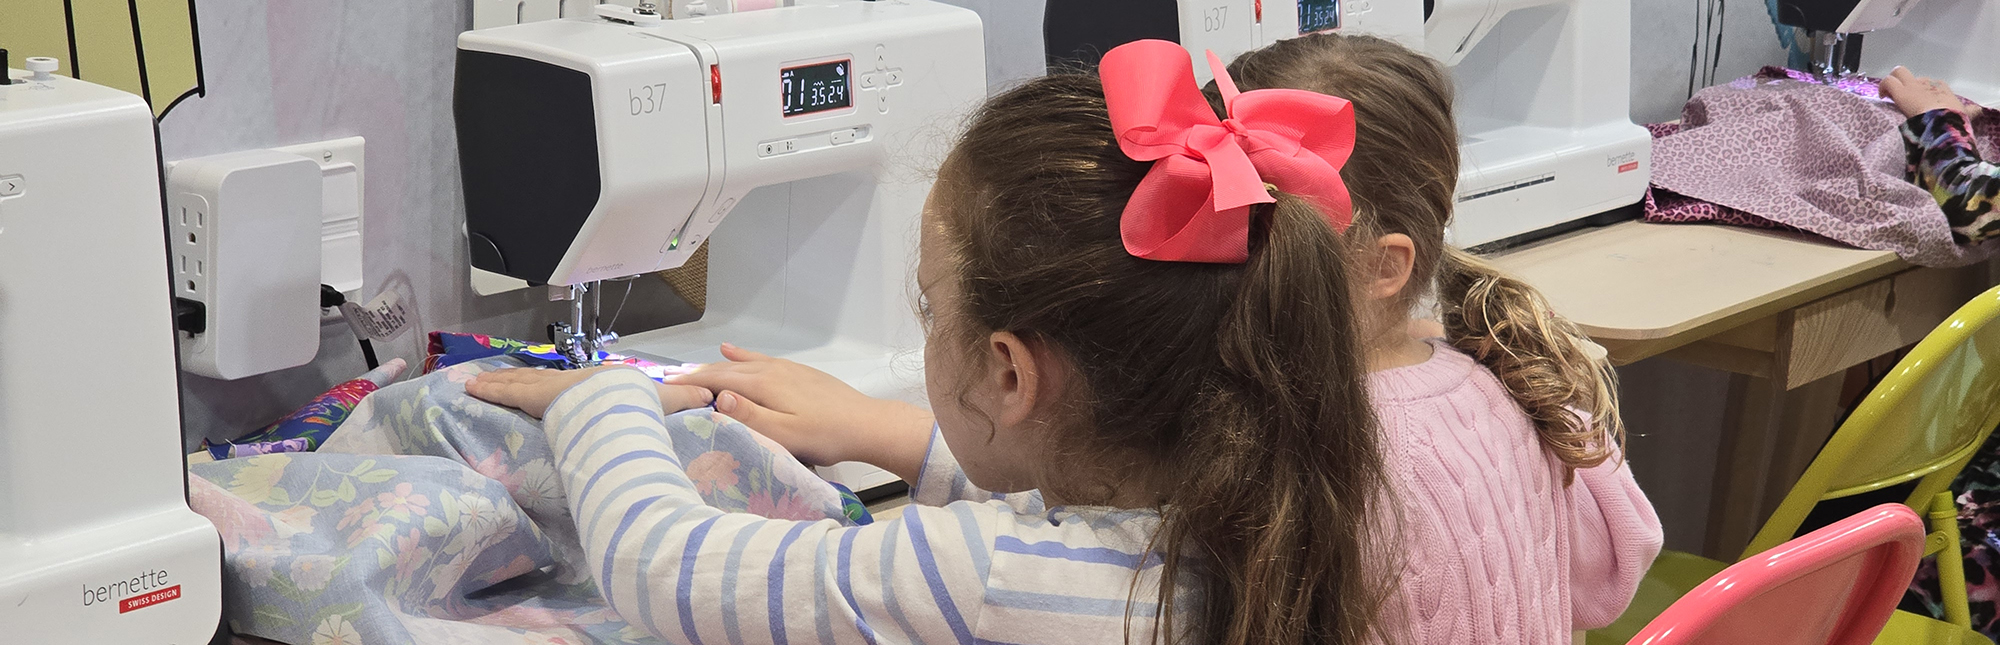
245,244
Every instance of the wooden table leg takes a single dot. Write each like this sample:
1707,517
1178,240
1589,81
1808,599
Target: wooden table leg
1770,435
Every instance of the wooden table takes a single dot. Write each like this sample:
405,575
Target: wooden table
1786,314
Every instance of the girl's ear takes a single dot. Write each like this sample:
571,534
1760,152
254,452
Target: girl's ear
1024,376
1395,259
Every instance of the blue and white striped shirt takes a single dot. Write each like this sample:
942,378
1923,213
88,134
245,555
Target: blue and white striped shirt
961,565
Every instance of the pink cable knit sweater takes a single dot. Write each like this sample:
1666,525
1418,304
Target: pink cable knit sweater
1496,549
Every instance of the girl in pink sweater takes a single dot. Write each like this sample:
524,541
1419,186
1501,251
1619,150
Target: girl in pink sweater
1520,521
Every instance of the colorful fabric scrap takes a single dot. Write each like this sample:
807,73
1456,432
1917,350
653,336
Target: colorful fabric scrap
313,421
234,450
448,349
851,506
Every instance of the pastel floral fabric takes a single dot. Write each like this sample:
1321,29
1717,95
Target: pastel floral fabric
432,517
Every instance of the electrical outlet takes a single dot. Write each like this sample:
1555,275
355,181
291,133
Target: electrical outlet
341,223
188,218
245,245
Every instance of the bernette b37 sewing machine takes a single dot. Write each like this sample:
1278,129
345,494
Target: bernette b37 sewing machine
616,145
1543,89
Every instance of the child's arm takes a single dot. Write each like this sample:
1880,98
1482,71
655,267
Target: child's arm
824,421
1614,536
820,419
689,572
1942,159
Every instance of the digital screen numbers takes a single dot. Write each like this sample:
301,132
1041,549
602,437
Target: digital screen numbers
817,88
1318,15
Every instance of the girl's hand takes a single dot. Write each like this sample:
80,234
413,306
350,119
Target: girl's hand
819,418
534,390
1916,95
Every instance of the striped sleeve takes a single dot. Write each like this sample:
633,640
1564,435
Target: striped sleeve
688,572
942,481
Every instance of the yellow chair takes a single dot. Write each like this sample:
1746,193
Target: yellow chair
1920,424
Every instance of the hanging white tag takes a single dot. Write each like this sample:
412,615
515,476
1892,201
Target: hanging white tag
381,319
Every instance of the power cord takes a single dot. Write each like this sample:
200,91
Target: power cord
331,298
1711,22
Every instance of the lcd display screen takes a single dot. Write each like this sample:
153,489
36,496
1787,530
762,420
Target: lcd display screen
817,88
1318,15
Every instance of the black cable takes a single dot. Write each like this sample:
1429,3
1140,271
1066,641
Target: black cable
1694,54
1721,31
368,354
331,298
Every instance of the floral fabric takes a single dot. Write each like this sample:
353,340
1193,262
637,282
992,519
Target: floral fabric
432,517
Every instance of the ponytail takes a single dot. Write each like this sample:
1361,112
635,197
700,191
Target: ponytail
1285,472
1542,359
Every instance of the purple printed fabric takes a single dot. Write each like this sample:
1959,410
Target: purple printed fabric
1777,150
1668,207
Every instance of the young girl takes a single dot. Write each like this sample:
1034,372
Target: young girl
1516,519
1519,519
1177,380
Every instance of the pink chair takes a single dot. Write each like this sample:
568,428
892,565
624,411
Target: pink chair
1833,586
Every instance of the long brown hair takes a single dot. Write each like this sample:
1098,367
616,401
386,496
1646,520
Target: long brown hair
1403,176
1241,384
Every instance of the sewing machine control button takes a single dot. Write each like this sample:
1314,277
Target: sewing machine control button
40,66
12,185
788,145
880,80
843,136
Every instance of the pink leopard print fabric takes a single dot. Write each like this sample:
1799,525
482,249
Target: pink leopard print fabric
1773,151
1664,206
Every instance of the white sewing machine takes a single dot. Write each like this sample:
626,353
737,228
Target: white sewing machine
97,544
614,146
1944,39
1543,89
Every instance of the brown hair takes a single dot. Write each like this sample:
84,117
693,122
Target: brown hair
1402,176
1240,384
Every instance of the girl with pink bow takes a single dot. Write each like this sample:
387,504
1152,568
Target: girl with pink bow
1141,334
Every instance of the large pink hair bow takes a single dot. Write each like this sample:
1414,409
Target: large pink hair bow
1194,205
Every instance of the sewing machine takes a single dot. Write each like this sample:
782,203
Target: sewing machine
97,544
1543,90
1944,39
795,143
